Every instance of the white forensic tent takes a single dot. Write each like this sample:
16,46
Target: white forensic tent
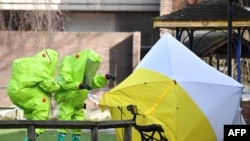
173,87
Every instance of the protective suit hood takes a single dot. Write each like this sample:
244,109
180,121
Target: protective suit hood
84,66
48,58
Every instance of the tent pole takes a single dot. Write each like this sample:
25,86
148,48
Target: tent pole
238,55
177,33
218,62
229,44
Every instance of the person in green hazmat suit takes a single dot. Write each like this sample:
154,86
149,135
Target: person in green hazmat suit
31,84
77,76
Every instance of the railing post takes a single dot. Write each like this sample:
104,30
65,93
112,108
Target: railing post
94,134
127,133
31,133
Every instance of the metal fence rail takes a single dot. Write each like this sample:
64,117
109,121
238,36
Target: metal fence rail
53,124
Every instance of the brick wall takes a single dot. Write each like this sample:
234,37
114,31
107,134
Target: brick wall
246,111
166,7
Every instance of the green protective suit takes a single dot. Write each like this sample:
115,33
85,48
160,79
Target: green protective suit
31,84
73,70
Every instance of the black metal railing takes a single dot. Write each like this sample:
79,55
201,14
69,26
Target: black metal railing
54,124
